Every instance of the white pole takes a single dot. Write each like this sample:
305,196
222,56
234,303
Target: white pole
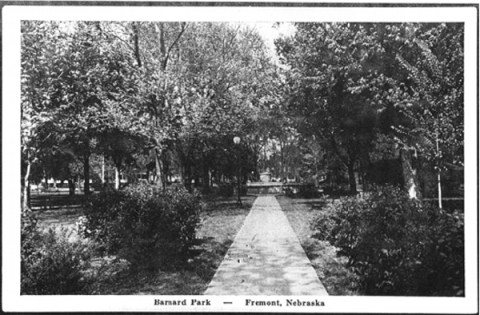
117,178
103,169
438,174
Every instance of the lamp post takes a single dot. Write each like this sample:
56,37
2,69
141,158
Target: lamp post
236,141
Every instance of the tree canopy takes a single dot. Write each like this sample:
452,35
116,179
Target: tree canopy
170,97
357,83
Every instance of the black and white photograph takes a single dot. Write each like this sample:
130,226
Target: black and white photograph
233,156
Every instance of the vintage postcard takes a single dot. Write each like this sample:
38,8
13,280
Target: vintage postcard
311,157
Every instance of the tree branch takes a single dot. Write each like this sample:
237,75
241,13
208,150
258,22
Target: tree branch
135,40
167,55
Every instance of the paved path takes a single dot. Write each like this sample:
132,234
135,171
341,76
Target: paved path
266,258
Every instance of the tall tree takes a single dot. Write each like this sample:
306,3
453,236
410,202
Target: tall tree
156,47
222,73
81,78
434,107
36,110
353,81
331,67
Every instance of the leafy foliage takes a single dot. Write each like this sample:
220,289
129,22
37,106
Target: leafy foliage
73,87
395,245
433,106
353,84
144,225
333,68
50,262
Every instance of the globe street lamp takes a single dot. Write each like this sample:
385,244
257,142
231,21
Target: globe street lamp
236,141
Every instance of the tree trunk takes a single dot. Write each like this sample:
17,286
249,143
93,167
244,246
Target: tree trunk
26,187
255,174
409,175
136,44
46,180
206,177
158,170
86,173
351,178
187,177
185,168
71,186
165,169
195,174
439,179
182,173
117,178
103,170
282,160
439,190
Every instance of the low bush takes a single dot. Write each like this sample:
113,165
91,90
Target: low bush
324,222
443,264
308,191
396,245
50,263
144,225
288,192
301,191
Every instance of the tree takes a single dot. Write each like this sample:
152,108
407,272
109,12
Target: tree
35,84
353,82
72,79
55,159
331,68
221,76
155,46
434,107
120,146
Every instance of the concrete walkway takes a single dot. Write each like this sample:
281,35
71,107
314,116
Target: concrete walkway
266,258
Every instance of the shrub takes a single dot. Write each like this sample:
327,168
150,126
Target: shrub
307,191
443,267
288,192
323,223
395,245
50,264
147,227
29,233
301,191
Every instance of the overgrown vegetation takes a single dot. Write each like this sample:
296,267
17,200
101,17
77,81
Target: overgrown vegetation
101,273
50,262
148,227
395,245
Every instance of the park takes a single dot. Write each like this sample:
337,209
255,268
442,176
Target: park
208,158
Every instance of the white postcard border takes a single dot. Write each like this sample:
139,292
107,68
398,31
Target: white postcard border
12,15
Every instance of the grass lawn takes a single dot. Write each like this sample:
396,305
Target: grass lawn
61,218
221,219
331,270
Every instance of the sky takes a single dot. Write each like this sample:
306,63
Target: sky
269,31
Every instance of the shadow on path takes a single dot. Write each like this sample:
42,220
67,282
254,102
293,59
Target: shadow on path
266,258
